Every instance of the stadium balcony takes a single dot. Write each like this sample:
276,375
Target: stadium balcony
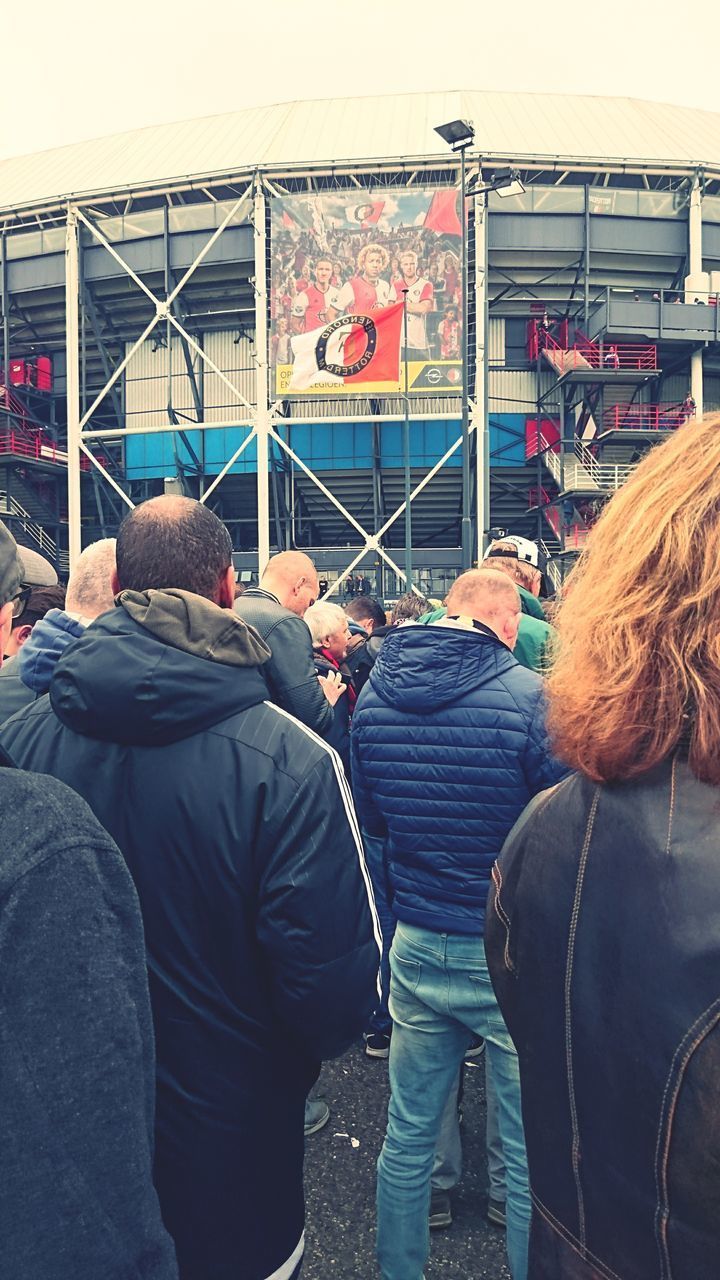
659,314
634,423
589,361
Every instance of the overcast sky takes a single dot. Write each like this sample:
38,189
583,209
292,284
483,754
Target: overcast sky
81,70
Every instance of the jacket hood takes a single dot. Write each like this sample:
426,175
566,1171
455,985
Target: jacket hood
162,666
46,643
420,668
530,604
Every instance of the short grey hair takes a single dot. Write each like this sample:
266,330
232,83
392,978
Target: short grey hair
89,589
324,619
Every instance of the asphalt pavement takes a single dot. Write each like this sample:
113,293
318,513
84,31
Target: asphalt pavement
340,1182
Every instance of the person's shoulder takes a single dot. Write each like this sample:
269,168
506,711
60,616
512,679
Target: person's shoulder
524,686
552,811
42,817
260,609
275,736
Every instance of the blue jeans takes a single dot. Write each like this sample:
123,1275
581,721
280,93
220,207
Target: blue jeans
440,990
381,1021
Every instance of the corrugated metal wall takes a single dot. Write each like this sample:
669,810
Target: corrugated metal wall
236,359
496,340
146,381
147,387
515,390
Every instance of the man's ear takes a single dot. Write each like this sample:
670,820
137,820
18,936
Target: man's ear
226,589
22,634
6,617
115,583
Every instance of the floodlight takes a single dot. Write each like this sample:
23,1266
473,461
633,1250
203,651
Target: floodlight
458,134
507,183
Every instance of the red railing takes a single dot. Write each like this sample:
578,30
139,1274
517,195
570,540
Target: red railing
575,534
645,417
27,444
598,355
541,498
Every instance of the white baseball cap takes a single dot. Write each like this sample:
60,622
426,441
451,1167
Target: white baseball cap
525,550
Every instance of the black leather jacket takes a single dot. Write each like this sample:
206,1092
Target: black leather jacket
603,941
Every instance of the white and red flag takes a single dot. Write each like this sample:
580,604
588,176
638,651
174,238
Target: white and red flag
351,349
366,214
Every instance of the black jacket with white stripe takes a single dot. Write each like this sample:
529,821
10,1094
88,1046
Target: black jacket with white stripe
238,829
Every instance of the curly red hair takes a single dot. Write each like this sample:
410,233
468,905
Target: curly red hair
638,666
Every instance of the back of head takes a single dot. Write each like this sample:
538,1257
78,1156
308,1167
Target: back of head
411,605
173,542
11,567
291,576
324,619
366,610
638,668
485,596
40,601
502,555
90,588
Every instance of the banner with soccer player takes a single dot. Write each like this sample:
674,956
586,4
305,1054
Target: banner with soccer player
354,254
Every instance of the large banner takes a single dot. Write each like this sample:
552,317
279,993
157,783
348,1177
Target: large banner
354,253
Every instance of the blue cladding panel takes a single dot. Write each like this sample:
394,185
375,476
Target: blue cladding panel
151,457
222,444
507,440
325,446
428,442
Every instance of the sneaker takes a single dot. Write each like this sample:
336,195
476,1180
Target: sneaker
440,1211
317,1114
496,1213
474,1050
377,1044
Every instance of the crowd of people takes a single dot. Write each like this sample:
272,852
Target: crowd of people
247,830
311,287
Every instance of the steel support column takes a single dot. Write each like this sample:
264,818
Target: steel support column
466,524
262,411
695,266
480,414
72,350
5,308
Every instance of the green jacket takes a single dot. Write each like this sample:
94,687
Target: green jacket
536,637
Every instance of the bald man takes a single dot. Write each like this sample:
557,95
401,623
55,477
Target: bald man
275,609
448,746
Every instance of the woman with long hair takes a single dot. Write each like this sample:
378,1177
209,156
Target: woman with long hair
603,934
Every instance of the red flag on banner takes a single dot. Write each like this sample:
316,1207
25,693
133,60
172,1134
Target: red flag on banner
442,216
353,348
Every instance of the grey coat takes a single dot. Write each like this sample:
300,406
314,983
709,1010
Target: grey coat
76,1049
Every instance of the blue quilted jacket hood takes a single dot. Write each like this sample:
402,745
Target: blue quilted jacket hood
435,666
46,643
448,746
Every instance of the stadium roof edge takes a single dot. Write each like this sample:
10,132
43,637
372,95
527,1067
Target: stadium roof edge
544,131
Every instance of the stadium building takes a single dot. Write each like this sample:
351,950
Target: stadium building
157,287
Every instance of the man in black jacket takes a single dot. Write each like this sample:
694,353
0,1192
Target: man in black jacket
234,820
275,609
77,1075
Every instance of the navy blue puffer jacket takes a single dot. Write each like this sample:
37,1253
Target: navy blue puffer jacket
448,746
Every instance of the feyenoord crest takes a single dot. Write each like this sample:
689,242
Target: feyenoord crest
347,370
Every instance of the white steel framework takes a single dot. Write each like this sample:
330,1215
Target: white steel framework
260,418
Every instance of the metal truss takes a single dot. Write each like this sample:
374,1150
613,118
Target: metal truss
261,418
